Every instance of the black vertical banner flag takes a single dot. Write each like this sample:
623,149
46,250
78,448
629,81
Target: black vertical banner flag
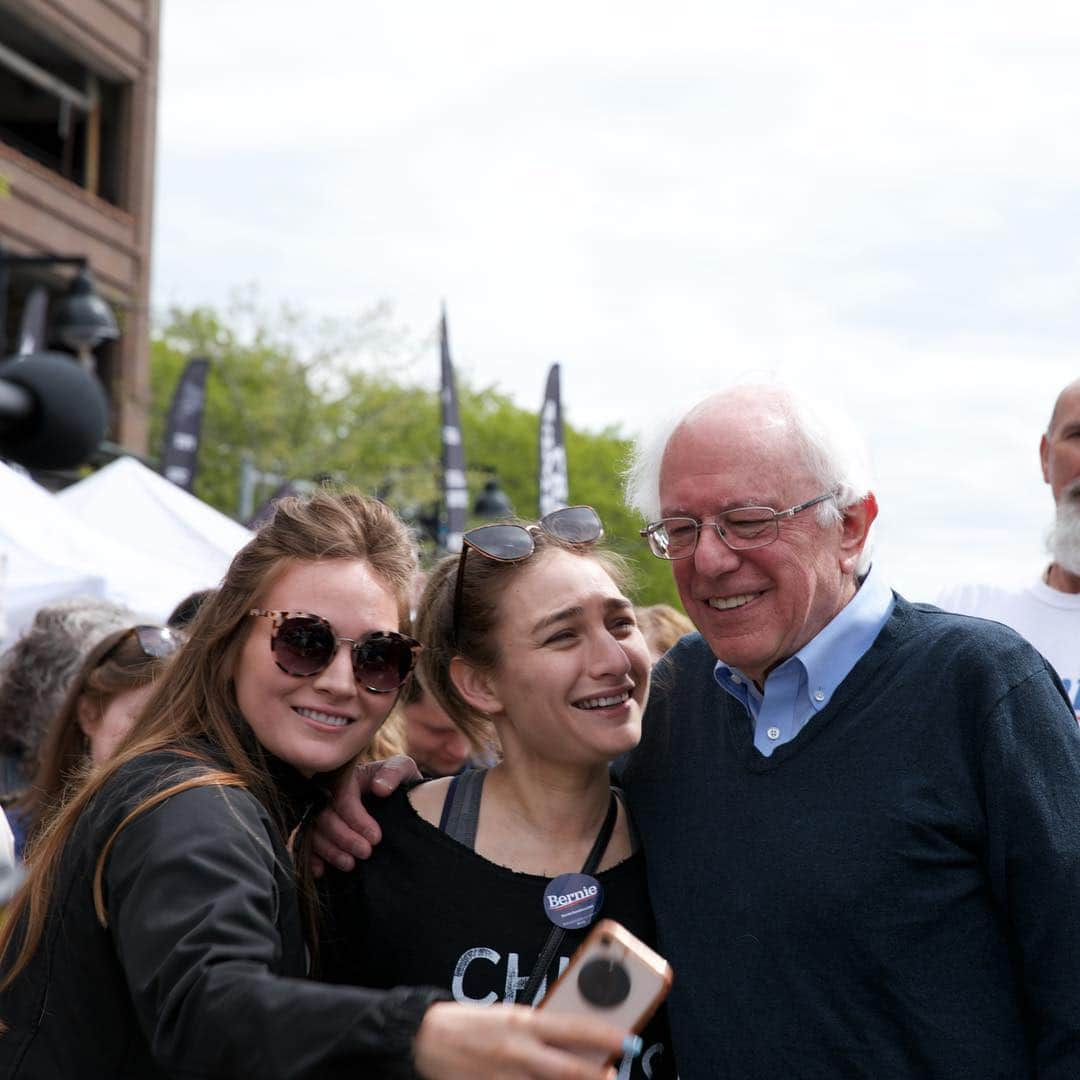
554,484
455,492
180,449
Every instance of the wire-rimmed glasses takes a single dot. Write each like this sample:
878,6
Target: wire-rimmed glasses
742,529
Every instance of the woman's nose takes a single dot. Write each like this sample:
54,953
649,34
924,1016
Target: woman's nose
337,677
608,656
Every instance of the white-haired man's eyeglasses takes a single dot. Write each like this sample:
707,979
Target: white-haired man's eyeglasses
742,529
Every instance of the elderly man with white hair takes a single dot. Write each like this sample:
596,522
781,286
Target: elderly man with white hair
1046,612
861,816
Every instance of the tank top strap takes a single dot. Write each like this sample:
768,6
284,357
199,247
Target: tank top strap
461,810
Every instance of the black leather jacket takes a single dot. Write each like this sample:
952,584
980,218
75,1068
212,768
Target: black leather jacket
201,970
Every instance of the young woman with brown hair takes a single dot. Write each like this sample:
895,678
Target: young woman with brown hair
162,930
529,644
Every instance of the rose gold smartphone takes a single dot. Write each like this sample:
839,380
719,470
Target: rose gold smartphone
614,976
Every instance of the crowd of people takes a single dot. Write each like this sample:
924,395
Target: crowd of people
851,822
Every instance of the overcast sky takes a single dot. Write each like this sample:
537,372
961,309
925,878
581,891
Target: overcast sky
878,200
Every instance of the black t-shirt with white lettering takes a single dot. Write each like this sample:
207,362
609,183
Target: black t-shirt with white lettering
425,910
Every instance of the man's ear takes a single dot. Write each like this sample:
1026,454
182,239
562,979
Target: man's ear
474,685
855,527
1044,457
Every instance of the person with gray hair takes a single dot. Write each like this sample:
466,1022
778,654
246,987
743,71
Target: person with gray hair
1047,611
35,673
861,815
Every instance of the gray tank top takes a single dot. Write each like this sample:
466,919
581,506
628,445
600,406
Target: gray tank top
461,810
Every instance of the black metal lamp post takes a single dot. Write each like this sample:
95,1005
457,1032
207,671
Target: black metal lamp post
492,502
82,320
54,412
427,517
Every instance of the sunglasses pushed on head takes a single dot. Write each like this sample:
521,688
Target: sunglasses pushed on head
510,543
152,642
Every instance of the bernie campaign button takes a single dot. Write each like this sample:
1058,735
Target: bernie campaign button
573,900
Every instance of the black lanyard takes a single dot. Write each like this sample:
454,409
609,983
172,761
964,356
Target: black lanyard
555,938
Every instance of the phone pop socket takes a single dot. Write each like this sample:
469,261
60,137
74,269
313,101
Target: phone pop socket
604,983
572,901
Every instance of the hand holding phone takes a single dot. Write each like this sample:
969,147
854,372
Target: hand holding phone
613,975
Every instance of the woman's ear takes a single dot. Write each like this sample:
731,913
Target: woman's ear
87,716
474,685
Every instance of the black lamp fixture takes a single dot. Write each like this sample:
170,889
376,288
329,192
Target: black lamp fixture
54,412
492,502
81,320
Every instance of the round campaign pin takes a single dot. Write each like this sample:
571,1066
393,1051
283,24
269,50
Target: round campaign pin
573,900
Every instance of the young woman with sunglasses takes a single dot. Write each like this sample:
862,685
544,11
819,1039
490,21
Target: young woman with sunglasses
162,930
106,695
529,639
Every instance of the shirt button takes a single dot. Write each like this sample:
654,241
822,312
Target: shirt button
819,695
773,733
736,680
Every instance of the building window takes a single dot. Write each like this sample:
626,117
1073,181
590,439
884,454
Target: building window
56,111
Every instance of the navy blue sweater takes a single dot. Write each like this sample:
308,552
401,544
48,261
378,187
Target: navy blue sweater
894,893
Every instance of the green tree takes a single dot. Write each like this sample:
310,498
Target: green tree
296,399
303,401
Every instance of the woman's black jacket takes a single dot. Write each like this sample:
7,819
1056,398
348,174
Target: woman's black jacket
201,969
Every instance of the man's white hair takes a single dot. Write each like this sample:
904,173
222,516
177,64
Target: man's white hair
832,449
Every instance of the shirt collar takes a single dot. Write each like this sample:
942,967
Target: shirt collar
828,658
842,643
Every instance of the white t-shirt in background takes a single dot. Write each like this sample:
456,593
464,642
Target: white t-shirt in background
1049,619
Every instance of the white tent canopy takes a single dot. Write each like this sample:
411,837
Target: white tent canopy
39,558
28,583
51,554
135,505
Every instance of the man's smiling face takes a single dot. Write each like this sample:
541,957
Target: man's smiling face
755,608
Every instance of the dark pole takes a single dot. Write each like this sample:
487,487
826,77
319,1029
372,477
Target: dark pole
7,261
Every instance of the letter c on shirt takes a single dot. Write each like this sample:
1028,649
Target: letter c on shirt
457,984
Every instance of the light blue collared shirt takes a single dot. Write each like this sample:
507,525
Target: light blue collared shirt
804,683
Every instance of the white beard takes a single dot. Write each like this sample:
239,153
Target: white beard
1064,538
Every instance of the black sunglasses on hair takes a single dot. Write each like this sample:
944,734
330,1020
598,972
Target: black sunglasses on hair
304,644
155,642
510,543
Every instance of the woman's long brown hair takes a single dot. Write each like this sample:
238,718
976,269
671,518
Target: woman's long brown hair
195,697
